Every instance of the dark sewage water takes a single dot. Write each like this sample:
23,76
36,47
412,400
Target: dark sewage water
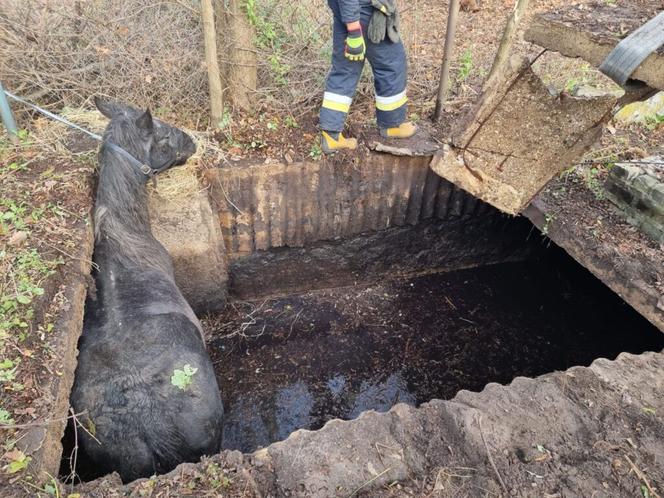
299,361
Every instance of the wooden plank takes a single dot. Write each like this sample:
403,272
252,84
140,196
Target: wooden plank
592,31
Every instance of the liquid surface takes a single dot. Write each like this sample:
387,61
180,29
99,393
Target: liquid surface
297,362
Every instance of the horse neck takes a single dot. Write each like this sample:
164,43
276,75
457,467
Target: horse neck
122,220
121,194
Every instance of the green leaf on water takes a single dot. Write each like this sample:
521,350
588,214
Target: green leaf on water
182,378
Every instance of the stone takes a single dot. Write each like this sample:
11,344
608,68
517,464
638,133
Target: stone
642,112
637,189
184,222
588,92
518,137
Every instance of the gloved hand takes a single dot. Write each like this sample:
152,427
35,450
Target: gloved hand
384,21
355,47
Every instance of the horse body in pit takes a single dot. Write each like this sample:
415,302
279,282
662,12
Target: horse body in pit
138,329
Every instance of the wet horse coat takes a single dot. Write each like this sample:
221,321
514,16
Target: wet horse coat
138,329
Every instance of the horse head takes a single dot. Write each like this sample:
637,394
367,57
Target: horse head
149,140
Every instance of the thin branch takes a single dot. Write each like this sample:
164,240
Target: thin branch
36,423
642,477
444,84
493,464
369,482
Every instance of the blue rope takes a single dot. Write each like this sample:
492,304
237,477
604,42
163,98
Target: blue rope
145,168
53,116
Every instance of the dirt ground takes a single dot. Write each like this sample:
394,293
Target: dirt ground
271,135
45,224
45,250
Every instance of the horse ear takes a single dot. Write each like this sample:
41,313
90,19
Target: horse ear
144,122
106,107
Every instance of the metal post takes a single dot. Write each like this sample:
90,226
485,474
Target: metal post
7,116
444,85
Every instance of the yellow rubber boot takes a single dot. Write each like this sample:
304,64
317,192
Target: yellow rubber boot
404,130
329,145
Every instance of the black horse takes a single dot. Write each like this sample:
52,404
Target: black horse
144,383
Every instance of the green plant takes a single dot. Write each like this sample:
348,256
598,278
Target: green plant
593,183
23,136
256,144
7,370
250,10
465,65
11,214
5,417
275,37
18,461
183,378
14,166
279,69
27,271
226,119
548,219
316,152
570,85
652,122
289,122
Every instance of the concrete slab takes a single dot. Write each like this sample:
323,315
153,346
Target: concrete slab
591,31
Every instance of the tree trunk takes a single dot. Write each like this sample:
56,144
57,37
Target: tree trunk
239,43
444,84
508,38
214,76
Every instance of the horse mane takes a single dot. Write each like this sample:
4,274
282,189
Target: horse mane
121,216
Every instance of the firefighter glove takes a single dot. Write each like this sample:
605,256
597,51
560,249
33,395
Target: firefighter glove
384,21
355,47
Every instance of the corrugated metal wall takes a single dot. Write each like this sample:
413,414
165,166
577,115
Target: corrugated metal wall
266,206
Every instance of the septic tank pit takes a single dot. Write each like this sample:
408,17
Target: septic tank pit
366,287
298,361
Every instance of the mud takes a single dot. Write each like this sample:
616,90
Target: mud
299,361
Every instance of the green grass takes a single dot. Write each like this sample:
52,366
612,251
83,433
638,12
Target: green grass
466,65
